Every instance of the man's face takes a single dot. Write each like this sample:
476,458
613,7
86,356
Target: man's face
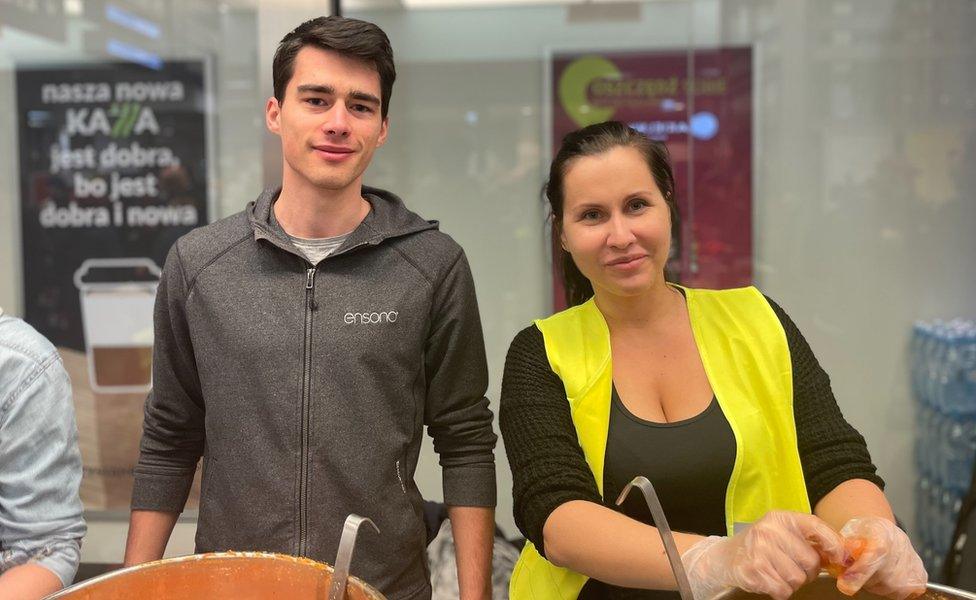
329,120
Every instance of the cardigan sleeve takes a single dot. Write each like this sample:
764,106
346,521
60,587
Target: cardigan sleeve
547,462
831,450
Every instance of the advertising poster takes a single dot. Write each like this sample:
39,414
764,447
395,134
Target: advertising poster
113,169
706,122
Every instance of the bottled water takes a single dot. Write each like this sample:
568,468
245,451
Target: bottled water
959,454
943,381
923,494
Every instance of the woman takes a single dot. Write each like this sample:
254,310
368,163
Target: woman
712,395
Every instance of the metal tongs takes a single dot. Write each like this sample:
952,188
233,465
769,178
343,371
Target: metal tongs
661,522
347,543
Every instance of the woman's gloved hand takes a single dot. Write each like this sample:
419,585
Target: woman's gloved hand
775,556
885,563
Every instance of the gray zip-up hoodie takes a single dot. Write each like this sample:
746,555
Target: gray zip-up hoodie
306,389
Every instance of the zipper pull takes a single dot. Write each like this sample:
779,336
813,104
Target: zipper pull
309,278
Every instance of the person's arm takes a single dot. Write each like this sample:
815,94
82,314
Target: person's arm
460,423
30,581
611,547
149,532
173,427
843,487
775,555
474,537
853,498
41,522
831,451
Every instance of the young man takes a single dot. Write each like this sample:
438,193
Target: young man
40,467
302,345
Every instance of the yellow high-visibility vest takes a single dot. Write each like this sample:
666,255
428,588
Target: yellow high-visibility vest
747,360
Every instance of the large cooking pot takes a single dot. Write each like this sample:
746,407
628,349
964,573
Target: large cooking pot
219,576
825,588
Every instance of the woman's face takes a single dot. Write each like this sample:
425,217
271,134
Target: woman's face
616,224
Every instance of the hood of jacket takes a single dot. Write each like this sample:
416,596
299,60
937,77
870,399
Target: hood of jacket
388,218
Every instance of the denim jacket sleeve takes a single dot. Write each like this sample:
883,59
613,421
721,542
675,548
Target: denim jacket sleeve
40,465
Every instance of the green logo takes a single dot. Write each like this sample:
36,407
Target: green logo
126,114
575,82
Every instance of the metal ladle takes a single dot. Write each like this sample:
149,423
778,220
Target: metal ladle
661,522
347,543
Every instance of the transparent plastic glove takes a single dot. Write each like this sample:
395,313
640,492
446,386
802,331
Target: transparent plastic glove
885,563
775,556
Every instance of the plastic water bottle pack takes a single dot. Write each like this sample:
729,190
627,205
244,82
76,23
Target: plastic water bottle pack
943,370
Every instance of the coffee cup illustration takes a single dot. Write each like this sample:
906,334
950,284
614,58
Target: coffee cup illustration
117,297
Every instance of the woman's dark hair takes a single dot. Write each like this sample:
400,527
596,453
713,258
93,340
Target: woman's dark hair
348,37
591,141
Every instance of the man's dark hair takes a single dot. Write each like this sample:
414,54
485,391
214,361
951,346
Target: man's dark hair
351,38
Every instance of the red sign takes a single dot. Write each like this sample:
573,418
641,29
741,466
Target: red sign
706,122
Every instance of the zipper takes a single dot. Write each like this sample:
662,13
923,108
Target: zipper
306,407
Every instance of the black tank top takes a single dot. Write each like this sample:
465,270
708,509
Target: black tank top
689,462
